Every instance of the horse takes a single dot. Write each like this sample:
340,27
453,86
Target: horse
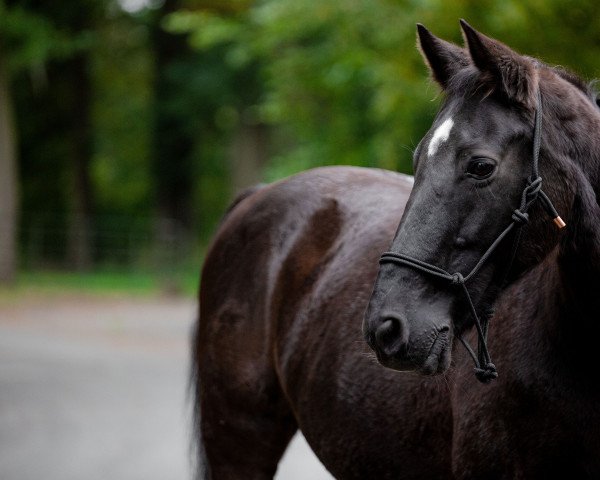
299,319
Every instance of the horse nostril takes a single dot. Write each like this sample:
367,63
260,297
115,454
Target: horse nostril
391,336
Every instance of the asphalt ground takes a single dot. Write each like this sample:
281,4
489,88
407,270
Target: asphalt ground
95,388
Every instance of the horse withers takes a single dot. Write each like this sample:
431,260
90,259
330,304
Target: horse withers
289,275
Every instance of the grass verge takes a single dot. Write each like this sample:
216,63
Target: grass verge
106,281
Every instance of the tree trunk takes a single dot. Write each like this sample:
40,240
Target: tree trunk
80,239
173,144
8,182
173,148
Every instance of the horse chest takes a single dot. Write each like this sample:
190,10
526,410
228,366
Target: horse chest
514,433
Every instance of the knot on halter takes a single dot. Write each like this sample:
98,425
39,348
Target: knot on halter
486,373
533,187
457,279
519,217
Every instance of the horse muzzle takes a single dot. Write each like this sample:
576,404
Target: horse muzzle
397,346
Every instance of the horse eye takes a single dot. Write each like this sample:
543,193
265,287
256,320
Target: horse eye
480,168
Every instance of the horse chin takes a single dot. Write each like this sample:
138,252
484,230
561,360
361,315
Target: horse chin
395,363
436,360
438,357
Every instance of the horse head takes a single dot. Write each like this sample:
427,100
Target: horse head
473,174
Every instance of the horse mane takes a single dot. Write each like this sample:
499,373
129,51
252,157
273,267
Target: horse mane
589,89
470,81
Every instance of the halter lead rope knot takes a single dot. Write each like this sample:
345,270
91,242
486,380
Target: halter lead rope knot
487,373
520,217
485,370
533,188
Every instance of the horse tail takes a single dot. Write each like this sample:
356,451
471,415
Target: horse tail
201,465
197,450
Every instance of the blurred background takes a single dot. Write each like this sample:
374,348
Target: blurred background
126,127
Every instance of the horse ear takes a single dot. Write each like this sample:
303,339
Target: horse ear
443,58
514,74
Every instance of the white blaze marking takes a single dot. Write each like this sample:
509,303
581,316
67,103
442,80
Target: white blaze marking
439,136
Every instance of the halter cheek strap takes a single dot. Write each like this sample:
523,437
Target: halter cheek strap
485,370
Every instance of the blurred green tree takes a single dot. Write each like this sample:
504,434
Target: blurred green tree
46,47
335,79
343,81
29,39
8,180
173,145
174,107
205,128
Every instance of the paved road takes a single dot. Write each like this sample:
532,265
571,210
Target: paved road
94,388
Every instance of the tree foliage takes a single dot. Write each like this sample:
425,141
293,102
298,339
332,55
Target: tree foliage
343,81
301,83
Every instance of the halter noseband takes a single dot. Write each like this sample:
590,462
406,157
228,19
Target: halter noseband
485,370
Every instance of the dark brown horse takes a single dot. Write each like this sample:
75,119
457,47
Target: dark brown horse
290,273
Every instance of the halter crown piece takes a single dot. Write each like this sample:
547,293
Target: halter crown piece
485,370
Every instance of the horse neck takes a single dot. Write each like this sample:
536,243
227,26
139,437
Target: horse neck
568,308
579,249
